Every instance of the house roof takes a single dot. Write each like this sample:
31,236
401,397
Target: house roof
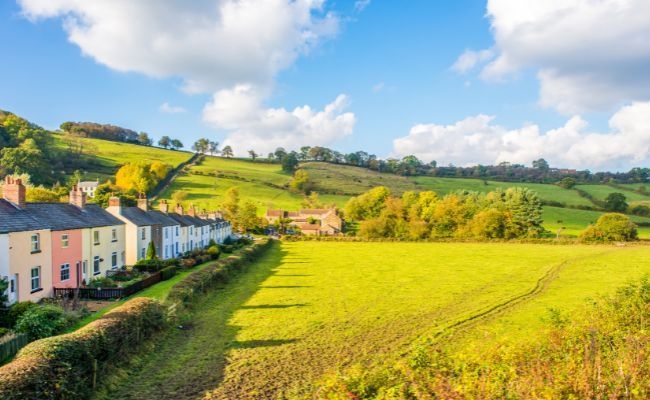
314,211
310,227
138,217
60,216
274,213
181,219
88,184
14,219
162,218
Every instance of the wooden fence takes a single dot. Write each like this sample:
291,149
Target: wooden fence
107,293
10,344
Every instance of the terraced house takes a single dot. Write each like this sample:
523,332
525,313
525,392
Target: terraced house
46,245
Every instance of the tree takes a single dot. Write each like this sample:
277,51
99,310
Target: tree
176,144
40,194
615,202
253,154
164,141
611,227
541,164
151,251
280,153
144,139
213,147
367,205
290,162
201,146
301,182
230,204
179,196
567,182
247,219
135,176
227,152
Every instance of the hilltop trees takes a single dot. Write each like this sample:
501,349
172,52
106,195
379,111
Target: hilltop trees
502,214
227,152
164,142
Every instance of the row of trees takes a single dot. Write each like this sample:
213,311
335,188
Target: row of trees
507,214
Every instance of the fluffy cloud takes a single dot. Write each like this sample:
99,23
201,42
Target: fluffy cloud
167,108
210,44
470,58
240,111
589,55
478,140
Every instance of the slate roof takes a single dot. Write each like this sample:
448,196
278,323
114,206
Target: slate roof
162,218
60,216
14,219
181,219
138,217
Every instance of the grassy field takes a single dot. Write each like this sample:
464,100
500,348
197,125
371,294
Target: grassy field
571,222
600,192
309,308
111,155
266,185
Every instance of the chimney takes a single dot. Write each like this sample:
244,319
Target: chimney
114,206
163,206
77,197
14,191
142,203
114,201
191,211
179,209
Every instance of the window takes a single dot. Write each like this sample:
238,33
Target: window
12,286
113,235
166,233
123,258
191,230
176,231
166,251
96,237
85,267
65,272
114,260
144,235
96,265
36,279
176,247
142,250
65,241
36,243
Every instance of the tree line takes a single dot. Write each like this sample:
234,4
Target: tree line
501,214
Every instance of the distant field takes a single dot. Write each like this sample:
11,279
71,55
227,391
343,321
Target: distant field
600,192
111,155
311,307
573,222
266,185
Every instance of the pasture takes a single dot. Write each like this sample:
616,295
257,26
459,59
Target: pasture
310,308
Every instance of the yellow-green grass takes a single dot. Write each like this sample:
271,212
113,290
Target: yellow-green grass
600,192
309,308
571,222
266,185
111,155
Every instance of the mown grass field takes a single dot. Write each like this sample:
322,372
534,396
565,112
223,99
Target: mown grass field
111,155
310,308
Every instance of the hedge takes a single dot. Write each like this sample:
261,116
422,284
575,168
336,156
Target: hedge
68,366
219,272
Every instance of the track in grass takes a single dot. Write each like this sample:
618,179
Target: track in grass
311,307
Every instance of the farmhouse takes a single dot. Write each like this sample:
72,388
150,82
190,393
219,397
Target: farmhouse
316,221
88,187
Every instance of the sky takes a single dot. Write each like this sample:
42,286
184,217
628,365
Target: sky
461,82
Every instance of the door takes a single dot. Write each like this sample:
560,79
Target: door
13,289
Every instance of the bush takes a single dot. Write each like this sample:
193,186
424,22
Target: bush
63,367
227,248
4,331
168,272
610,227
42,321
153,265
102,282
213,251
188,263
17,310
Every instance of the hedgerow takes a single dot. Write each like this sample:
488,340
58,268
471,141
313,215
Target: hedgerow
69,366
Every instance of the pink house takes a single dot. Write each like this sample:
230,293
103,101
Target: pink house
66,258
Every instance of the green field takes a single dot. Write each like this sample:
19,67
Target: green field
600,192
570,222
108,156
310,308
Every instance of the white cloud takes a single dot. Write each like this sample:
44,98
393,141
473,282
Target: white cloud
253,127
470,58
477,140
210,44
360,5
588,55
169,109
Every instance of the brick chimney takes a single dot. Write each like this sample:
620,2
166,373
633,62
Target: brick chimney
179,209
191,211
14,191
114,201
142,203
77,197
163,206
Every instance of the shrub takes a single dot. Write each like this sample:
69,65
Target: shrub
103,282
213,251
188,263
168,272
227,248
42,321
65,366
17,310
610,227
4,331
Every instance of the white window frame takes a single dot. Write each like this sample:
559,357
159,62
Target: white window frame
65,240
114,235
65,269
36,279
36,243
96,267
114,260
95,237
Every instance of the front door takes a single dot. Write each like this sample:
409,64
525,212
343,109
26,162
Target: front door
13,289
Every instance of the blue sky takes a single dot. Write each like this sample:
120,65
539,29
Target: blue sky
461,82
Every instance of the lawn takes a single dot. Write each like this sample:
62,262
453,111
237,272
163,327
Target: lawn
309,308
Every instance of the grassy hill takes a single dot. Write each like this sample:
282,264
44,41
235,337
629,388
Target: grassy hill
105,157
